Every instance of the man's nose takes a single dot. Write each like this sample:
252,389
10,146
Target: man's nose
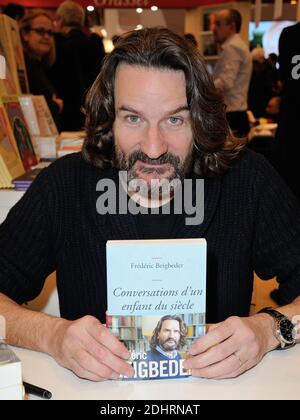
153,144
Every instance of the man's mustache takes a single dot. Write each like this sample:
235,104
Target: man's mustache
141,156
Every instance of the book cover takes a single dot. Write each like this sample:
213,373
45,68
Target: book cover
5,181
29,113
20,131
13,52
45,120
156,296
7,84
8,148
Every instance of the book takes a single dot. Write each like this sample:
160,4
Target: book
11,163
2,66
12,50
23,182
46,124
156,297
7,84
70,142
11,386
20,131
41,125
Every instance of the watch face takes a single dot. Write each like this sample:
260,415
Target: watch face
287,330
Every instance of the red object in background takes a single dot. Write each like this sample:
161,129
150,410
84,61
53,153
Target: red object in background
119,4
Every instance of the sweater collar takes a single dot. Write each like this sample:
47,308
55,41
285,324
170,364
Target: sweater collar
125,226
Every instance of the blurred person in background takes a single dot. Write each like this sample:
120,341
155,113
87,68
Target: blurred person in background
36,30
261,83
70,18
14,11
79,57
232,71
286,147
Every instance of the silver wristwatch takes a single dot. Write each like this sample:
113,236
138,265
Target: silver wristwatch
285,330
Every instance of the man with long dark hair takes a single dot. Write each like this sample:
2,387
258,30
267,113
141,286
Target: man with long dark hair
154,113
164,359
168,338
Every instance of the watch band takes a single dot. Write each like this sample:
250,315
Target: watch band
272,312
278,316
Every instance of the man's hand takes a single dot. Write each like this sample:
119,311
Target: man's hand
232,347
89,349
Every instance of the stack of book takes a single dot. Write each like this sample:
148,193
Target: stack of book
11,386
70,142
23,182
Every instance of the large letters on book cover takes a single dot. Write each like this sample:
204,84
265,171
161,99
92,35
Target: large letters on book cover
156,301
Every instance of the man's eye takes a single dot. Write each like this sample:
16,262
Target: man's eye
133,119
175,121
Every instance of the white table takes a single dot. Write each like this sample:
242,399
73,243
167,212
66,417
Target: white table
276,377
8,198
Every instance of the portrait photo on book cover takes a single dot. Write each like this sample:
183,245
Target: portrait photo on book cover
158,345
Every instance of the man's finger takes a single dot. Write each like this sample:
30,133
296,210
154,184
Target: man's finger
213,355
103,336
212,338
89,363
227,367
83,373
103,355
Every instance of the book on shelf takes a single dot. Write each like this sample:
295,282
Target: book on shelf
11,48
2,66
11,386
10,162
156,297
7,83
41,125
46,124
20,131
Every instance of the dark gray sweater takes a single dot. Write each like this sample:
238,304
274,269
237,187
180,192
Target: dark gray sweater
251,222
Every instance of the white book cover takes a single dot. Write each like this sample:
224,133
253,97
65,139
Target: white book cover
156,292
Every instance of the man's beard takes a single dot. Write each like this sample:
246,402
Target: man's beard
175,169
169,344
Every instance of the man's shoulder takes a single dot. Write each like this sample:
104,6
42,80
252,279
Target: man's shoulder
237,45
250,166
